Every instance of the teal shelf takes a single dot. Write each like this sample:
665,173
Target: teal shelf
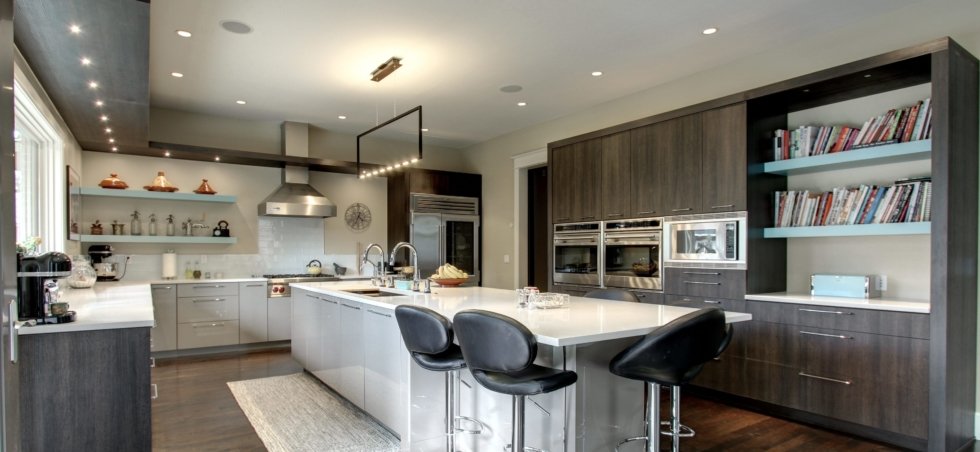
145,194
924,227
876,155
158,239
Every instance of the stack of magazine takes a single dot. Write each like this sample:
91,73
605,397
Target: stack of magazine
908,201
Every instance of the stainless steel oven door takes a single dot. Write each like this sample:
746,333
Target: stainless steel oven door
576,259
632,261
704,241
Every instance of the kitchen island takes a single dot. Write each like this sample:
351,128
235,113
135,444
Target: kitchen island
85,385
351,342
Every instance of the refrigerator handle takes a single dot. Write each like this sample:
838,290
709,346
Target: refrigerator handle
14,326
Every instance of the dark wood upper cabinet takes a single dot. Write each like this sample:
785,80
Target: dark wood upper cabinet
614,176
724,168
680,141
575,177
646,173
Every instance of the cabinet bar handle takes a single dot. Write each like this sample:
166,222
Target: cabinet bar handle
703,273
196,300
311,296
818,311
329,300
153,362
843,382
216,286
712,301
349,306
723,207
255,285
837,336
211,325
681,210
614,214
155,394
162,287
378,313
703,283
645,212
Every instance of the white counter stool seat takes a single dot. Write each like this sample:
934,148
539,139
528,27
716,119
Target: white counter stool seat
672,355
428,336
500,353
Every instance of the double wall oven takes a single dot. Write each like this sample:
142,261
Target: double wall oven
622,253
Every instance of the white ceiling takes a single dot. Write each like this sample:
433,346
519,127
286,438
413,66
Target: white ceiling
310,60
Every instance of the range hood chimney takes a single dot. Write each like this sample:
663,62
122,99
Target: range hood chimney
295,197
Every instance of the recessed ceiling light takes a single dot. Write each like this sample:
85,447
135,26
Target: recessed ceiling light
86,61
425,130
183,33
166,154
522,104
235,26
177,74
709,31
341,117
99,103
103,118
75,29
597,73
93,84
115,149
108,130
240,102
511,88
217,159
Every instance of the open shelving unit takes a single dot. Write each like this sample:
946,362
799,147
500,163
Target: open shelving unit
87,238
917,228
869,156
146,194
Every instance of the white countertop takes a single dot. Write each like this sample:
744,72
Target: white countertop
878,304
585,320
192,281
106,306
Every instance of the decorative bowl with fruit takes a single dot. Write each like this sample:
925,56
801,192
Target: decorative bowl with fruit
447,275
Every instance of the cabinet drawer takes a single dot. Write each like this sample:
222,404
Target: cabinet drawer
757,380
649,297
702,282
201,309
688,301
206,289
890,323
207,334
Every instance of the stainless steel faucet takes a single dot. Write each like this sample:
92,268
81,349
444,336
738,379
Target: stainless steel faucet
379,273
415,261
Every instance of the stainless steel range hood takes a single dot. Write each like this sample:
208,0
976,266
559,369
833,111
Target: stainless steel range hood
295,197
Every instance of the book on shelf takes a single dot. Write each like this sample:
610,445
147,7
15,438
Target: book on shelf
897,125
906,201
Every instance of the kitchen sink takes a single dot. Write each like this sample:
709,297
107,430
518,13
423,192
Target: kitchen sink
373,293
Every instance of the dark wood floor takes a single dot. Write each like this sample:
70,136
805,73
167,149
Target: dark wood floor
196,411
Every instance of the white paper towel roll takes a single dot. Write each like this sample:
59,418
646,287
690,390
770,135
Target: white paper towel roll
169,265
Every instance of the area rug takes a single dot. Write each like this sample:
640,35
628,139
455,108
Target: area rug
297,413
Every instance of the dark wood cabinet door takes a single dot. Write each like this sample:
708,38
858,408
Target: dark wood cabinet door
615,172
646,171
724,169
561,166
584,185
680,142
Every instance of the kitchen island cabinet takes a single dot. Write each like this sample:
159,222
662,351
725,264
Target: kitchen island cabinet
410,400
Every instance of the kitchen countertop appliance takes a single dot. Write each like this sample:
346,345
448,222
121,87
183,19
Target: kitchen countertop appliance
106,268
278,284
37,287
577,254
632,255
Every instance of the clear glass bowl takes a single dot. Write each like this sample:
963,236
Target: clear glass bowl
82,274
547,300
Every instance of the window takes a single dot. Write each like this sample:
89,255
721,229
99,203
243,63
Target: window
39,175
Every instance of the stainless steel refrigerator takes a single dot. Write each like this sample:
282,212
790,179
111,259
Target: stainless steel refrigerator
446,229
9,381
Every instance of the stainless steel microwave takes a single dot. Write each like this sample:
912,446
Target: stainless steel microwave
706,239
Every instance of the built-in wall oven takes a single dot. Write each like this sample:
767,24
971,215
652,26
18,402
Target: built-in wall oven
577,253
632,254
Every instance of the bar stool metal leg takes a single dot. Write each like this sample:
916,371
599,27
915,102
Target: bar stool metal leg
517,437
451,397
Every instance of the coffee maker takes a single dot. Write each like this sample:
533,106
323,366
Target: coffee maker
37,286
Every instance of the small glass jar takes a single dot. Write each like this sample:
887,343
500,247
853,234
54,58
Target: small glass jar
82,274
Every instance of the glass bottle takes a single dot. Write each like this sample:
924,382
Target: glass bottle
153,224
188,270
136,227
171,228
197,270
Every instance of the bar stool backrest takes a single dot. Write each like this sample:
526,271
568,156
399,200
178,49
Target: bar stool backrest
494,343
424,330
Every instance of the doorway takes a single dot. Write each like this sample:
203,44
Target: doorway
537,227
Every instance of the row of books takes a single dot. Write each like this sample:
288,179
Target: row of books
908,201
910,123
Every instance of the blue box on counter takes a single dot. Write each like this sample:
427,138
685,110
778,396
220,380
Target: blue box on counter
850,286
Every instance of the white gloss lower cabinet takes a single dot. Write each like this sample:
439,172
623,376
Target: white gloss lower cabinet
279,312
315,346
163,335
385,369
207,334
352,352
253,313
302,309
329,323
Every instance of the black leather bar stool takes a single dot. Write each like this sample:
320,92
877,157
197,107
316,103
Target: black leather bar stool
428,336
613,294
500,353
672,355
